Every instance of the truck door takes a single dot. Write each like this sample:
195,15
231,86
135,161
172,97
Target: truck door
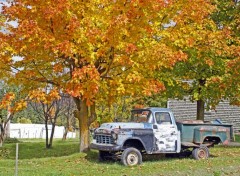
165,133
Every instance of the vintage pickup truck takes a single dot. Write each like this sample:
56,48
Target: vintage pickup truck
155,131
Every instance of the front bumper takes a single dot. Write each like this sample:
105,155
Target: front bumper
110,148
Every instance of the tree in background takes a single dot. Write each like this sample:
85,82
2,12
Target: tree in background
118,111
228,16
212,53
66,117
11,102
97,51
49,105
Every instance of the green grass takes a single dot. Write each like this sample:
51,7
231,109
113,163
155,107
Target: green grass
29,149
64,159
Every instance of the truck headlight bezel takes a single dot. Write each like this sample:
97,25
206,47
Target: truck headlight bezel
114,135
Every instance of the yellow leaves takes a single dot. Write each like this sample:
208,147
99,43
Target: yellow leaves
193,12
121,89
8,102
134,77
20,105
45,96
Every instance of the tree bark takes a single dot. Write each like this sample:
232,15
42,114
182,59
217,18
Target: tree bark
84,127
66,128
5,128
52,134
1,134
200,101
46,127
200,110
8,125
65,134
82,114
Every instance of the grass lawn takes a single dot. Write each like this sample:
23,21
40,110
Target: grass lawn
64,159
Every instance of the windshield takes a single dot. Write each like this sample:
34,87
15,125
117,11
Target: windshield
141,115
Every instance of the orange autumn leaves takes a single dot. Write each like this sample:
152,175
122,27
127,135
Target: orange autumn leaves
102,49
8,102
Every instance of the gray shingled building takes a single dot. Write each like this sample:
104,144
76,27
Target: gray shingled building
185,109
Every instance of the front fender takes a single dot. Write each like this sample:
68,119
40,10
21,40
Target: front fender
141,143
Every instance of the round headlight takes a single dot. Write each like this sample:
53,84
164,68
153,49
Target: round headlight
114,135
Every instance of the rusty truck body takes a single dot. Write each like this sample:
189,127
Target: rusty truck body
155,131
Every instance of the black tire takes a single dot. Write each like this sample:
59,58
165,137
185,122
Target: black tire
104,156
200,153
131,157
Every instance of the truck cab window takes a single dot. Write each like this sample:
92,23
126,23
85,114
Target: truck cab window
163,118
141,116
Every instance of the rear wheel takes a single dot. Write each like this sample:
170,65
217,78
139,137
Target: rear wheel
131,157
200,153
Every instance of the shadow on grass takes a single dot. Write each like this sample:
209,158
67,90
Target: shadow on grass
92,157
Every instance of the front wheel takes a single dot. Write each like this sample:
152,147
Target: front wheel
131,157
200,153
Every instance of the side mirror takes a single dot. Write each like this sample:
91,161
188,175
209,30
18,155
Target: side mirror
155,127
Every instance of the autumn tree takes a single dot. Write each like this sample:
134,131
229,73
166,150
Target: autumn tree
98,50
49,105
66,117
228,16
212,53
10,103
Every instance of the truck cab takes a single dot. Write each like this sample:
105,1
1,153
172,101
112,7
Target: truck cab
148,131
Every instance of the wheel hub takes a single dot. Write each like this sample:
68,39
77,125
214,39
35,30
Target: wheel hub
201,154
132,159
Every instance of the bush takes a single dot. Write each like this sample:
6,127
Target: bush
24,120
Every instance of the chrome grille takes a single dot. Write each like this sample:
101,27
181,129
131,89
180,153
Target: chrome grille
103,139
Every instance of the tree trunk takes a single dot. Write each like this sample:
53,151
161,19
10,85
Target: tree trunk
1,135
52,134
82,115
65,134
5,128
46,127
8,125
66,128
84,127
200,102
200,110
85,115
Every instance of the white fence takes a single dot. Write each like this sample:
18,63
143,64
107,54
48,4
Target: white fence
18,130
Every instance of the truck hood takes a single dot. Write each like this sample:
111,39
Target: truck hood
123,125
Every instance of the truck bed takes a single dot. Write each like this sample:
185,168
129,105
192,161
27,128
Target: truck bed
197,132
